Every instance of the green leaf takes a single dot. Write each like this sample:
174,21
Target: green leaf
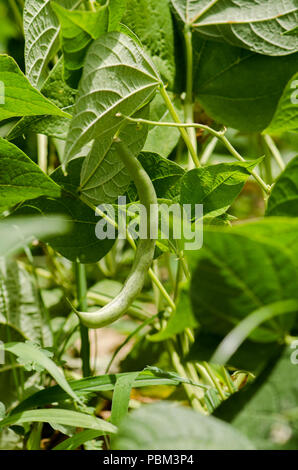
121,397
58,92
179,320
237,274
264,410
20,306
78,29
29,352
165,426
90,386
163,140
215,186
238,335
41,29
151,21
80,243
258,83
117,78
59,416
283,200
164,174
250,356
17,232
285,118
104,177
116,11
74,442
257,25
20,178
21,99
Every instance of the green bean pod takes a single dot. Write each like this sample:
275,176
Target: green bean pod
144,253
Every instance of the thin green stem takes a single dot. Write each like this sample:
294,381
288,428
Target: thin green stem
220,135
183,132
274,151
81,284
42,151
208,150
188,102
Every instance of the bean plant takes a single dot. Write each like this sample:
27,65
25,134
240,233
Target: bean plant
109,106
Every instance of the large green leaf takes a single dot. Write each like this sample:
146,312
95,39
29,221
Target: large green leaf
118,78
151,21
266,411
20,305
59,416
283,200
104,177
57,91
20,178
80,243
258,25
78,29
285,118
41,29
239,88
215,186
165,426
237,274
21,99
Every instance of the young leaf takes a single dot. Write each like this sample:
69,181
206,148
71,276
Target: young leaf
78,29
215,186
181,319
41,29
20,178
265,410
164,426
257,84
117,78
80,243
121,397
236,275
20,98
30,353
257,25
59,416
151,21
283,200
285,118
116,11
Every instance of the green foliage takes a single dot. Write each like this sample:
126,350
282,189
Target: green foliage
265,411
166,426
283,200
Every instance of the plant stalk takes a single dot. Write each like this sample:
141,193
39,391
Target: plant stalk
81,284
188,103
